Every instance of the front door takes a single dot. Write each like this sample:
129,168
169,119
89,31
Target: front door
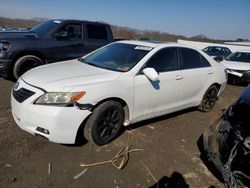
154,98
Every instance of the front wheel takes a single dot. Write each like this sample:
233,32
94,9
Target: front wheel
209,99
25,63
105,124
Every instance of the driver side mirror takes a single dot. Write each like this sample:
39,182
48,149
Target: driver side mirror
151,74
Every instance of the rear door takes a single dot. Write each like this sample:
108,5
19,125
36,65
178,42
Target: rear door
153,98
196,74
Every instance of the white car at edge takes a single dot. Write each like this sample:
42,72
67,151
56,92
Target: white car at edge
238,66
114,86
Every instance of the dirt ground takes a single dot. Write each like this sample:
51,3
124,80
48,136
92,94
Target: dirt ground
169,146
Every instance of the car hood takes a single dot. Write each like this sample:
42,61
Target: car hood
67,75
17,34
236,65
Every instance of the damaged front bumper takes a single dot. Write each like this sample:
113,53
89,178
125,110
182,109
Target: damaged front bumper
226,143
211,138
243,75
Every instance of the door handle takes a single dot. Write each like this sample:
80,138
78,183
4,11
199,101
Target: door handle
178,77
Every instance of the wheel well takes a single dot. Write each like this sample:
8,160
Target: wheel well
217,85
30,52
122,102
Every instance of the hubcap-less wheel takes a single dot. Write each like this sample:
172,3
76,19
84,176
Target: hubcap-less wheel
108,124
209,99
24,64
105,124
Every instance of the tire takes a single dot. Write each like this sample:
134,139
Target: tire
209,99
105,124
25,63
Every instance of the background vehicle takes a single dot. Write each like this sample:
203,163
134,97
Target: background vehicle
122,83
227,142
217,52
50,41
238,66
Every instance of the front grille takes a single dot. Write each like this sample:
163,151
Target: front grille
22,94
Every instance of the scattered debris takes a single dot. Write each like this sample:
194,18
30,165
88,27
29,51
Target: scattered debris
80,174
119,160
150,172
19,154
13,179
91,148
49,168
183,140
8,165
3,120
190,175
151,127
5,107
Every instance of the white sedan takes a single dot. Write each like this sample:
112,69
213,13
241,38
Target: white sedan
114,86
238,66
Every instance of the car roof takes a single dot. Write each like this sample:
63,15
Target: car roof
216,47
243,51
75,20
154,44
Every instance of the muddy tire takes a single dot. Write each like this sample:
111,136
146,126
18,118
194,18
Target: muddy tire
209,99
105,124
25,63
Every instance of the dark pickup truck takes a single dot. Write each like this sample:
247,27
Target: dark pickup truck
50,41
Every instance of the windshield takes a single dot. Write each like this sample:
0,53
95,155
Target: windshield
239,56
214,49
117,56
45,27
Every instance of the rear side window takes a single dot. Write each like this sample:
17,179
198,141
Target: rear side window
164,60
192,59
96,32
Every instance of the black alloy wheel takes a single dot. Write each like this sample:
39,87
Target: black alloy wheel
105,124
209,99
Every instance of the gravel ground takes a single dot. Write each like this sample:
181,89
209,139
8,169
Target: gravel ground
169,145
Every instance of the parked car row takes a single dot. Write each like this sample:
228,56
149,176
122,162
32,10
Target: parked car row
238,66
218,53
237,63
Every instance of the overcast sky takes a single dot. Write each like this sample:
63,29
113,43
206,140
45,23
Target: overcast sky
218,19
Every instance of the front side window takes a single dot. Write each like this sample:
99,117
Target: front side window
73,31
192,59
239,56
45,27
96,32
164,60
117,56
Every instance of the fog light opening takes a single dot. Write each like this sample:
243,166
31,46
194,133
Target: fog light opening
40,129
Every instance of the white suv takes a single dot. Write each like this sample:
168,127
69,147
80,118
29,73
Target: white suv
119,84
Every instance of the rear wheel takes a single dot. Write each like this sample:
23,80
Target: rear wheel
209,99
24,64
105,124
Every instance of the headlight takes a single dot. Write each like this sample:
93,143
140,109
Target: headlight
4,46
59,98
